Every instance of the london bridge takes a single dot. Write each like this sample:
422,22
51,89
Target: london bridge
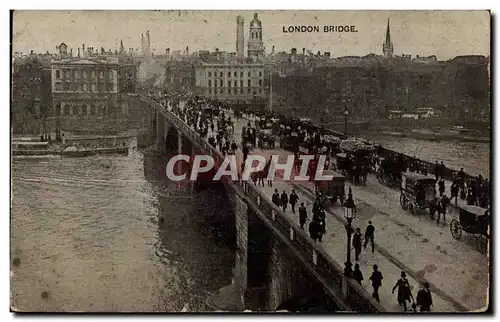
109,232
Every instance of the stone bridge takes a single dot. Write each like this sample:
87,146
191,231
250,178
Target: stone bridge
276,261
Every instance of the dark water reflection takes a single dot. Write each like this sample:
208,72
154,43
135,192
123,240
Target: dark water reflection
87,232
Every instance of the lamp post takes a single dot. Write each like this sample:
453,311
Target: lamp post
349,214
346,115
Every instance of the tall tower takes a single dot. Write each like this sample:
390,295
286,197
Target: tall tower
142,44
148,44
387,46
255,44
240,38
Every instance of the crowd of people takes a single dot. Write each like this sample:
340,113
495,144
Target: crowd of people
220,136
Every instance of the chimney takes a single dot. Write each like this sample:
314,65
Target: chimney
78,51
83,50
71,52
303,51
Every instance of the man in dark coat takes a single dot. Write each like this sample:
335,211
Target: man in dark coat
302,215
284,200
357,274
437,171
424,298
356,243
441,187
376,279
370,236
276,198
293,200
313,230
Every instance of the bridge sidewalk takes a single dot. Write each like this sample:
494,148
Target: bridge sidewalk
334,243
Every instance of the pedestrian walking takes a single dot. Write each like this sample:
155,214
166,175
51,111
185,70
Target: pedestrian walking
437,169
370,236
424,298
376,279
356,243
357,274
284,200
321,225
276,198
441,187
441,209
404,291
293,199
302,215
313,230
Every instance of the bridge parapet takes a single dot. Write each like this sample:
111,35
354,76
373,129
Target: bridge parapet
315,259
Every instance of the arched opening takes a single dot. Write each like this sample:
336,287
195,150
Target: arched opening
92,109
67,108
84,110
76,110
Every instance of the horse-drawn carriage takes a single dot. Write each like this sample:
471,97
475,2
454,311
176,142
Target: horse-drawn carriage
266,139
473,220
332,190
389,171
417,190
248,137
290,142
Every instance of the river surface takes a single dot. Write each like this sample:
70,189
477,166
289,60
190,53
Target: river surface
87,237
474,157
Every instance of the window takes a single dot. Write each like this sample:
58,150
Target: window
209,83
84,110
235,74
260,74
249,90
229,91
110,87
249,74
241,74
241,90
92,108
76,110
58,74
209,74
101,87
84,74
241,83
228,74
92,75
66,109
94,87
66,87
58,109
101,74
235,83
210,91
228,83
85,87
260,82
221,83
58,86
249,83
221,90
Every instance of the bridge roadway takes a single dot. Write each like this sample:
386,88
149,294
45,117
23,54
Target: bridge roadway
457,272
414,244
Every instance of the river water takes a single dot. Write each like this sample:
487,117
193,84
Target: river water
474,157
87,234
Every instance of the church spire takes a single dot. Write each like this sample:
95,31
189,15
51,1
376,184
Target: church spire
387,46
388,33
122,49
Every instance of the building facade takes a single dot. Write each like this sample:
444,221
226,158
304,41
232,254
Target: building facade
239,83
85,86
180,75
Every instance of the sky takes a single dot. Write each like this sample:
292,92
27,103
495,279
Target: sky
445,34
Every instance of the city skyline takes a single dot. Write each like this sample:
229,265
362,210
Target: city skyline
423,33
